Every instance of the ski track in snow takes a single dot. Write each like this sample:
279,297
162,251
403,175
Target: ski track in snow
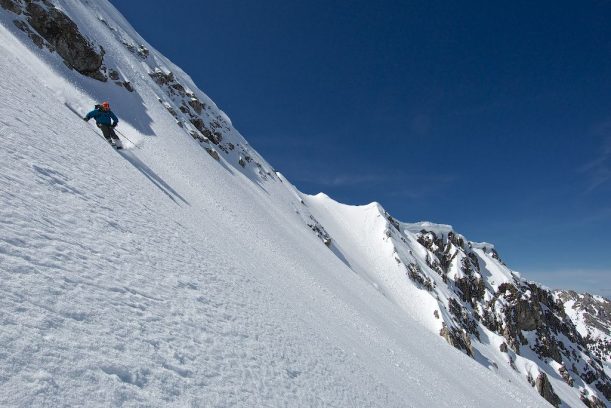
127,280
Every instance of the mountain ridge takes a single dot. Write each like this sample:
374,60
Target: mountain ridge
423,268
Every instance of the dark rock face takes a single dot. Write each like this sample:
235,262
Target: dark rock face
10,5
564,373
544,388
457,338
415,274
592,402
48,26
213,153
25,27
61,32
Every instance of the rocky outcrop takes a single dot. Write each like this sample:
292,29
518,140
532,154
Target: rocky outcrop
457,338
545,389
11,5
319,230
593,315
528,317
49,27
194,110
592,401
416,275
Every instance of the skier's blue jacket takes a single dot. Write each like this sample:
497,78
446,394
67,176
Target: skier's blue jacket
103,117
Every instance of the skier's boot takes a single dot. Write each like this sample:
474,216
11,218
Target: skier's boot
117,144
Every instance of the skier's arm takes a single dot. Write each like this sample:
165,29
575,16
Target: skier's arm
114,119
90,115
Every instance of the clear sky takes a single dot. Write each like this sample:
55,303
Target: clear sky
494,117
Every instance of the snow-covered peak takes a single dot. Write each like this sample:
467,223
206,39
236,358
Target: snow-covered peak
416,227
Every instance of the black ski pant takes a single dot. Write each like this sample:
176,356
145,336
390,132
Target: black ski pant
108,132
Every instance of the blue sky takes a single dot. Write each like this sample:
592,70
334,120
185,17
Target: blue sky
493,117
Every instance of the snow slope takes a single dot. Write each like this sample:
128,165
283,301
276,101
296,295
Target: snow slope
163,277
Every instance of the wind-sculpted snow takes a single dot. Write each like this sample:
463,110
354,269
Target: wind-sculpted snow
164,276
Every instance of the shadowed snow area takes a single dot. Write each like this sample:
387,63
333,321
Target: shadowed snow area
160,276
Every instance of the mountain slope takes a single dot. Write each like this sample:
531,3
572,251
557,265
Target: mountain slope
592,318
465,293
185,271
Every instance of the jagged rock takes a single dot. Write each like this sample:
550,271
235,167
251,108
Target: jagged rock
545,389
11,5
393,222
200,125
457,339
517,307
127,85
161,78
241,161
592,401
462,317
213,153
143,52
65,38
530,379
179,88
564,373
456,240
196,105
25,27
471,288
604,386
496,256
526,317
316,227
113,74
217,136
436,314
595,314
171,110
196,135
547,346
415,274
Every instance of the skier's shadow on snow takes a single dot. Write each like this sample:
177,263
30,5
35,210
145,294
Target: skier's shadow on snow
153,177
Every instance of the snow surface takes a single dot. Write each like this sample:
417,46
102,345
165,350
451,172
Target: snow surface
161,277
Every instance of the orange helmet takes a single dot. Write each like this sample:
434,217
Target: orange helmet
105,105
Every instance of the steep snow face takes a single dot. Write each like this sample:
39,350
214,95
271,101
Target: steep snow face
462,291
183,271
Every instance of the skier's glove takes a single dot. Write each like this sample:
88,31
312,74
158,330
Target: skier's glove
86,120
114,125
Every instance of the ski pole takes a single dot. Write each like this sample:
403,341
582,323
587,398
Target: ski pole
135,145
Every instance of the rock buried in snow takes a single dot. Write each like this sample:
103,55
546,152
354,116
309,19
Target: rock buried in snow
213,153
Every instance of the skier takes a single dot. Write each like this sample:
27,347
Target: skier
106,121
